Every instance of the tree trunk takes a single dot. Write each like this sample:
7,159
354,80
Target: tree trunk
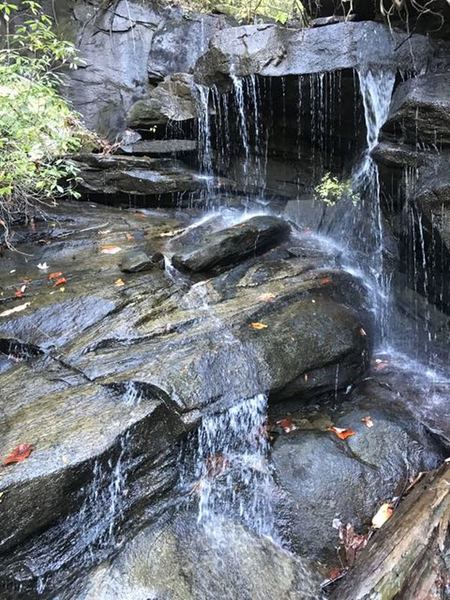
405,560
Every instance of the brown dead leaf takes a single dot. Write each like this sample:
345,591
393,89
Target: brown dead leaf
20,453
325,281
352,543
258,326
342,433
287,424
119,282
368,422
216,465
383,514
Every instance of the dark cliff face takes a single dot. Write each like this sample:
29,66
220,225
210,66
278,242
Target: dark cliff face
124,48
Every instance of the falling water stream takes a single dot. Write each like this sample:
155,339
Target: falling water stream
231,470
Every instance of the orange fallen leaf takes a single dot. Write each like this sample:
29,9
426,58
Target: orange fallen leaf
342,433
110,249
55,275
60,281
258,326
287,424
129,236
367,421
119,282
383,514
19,454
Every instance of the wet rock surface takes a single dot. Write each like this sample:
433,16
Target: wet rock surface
186,561
91,364
107,176
274,51
231,245
352,477
420,111
171,100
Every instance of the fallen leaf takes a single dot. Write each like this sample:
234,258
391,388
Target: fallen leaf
287,424
60,281
268,297
325,280
367,421
342,433
19,454
20,293
110,249
258,326
216,465
352,542
383,514
129,236
55,275
16,309
119,282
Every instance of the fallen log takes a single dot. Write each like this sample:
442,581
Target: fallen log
405,559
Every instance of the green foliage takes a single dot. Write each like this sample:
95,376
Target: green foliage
250,10
330,190
37,127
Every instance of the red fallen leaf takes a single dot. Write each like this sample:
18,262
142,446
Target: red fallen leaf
56,275
342,433
60,281
21,292
336,572
287,424
325,280
20,453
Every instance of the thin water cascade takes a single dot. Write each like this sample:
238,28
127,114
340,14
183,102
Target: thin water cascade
376,91
231,476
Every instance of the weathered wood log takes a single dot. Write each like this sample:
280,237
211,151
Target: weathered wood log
405,558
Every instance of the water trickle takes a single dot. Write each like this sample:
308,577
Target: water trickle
376,91
231,475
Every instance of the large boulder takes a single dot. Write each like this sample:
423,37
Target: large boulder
230,245
420,111
327,480
109,176
114,42
180,40
187,561
121,366
171,100
271,50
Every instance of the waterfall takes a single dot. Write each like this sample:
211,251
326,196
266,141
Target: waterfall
230,476
376,91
